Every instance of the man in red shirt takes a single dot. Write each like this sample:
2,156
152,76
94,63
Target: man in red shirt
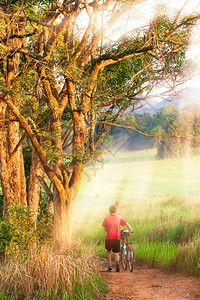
111,225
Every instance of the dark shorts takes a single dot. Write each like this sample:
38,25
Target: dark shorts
113,245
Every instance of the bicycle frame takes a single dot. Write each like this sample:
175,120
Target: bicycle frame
126,251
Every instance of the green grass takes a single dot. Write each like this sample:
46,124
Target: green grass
160,199
166,237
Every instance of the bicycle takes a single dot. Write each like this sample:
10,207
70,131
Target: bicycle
126,251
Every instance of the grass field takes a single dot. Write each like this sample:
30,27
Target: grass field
160,199
138,176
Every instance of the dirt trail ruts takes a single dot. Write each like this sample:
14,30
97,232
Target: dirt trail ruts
149,284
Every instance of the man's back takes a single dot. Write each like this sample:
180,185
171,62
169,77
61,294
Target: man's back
112,225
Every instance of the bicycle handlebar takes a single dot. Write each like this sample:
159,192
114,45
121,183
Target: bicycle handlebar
125,233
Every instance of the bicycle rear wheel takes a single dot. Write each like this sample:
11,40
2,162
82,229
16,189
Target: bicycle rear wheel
130,259
123,259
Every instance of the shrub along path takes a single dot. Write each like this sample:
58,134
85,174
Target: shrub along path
150,284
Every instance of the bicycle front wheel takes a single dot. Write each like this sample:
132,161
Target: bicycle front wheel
123,259
130,259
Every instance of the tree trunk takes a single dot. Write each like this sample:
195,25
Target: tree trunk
12,164
11,157
34,185
61,220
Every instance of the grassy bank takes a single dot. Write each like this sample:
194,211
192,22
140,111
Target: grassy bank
72,274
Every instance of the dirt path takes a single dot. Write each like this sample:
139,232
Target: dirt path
149,284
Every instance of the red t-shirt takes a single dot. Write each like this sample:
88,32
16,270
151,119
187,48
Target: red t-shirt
112,225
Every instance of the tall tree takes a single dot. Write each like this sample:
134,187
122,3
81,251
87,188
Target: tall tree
11,158
78,83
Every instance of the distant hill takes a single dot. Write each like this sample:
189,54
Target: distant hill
186,96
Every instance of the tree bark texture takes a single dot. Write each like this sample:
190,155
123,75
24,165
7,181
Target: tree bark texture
12,165
34,185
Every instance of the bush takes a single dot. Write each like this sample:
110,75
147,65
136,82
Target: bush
17,232
4,237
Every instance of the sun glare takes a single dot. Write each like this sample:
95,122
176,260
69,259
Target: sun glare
124,180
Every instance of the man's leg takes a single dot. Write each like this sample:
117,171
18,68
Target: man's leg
116,256
117,261
109,260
